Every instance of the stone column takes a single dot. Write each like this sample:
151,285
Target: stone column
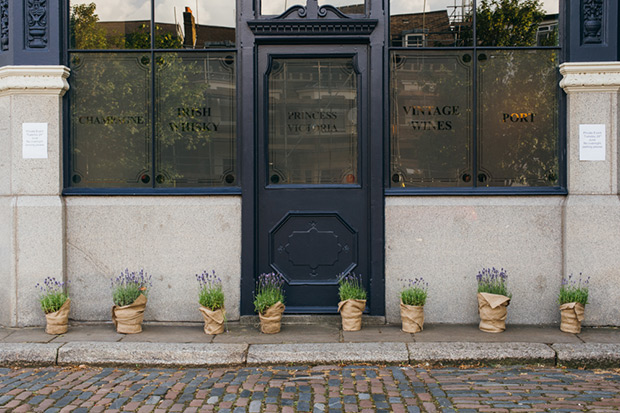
32,244
592,209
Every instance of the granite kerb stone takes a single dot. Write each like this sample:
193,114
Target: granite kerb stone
328,353
588,355
29,354
457,353
152,354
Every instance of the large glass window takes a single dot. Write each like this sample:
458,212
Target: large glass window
152,102
474,108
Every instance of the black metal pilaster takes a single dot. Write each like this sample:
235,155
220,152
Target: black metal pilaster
31,32
592,32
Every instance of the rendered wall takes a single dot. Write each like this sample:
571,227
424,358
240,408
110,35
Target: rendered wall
171,238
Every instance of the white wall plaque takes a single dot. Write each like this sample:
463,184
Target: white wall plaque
34,136
591,142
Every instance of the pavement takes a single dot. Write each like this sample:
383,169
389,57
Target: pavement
242,345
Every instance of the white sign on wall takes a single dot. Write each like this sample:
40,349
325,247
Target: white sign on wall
591,142
34,138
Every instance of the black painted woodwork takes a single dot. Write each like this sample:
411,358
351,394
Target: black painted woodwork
312,233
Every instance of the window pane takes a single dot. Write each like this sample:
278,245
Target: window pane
196,120
110,129
518,118
431,116
313,131
279,6
526,23
430,23
179,24
346,6
103,24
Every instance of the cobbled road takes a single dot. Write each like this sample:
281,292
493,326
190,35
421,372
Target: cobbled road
308,389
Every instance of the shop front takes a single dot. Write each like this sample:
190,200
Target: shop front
313,138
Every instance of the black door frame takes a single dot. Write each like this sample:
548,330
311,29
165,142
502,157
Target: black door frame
310,25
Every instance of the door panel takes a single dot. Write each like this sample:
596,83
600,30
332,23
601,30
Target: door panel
312,196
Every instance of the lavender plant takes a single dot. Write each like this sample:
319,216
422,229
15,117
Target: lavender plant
269,290
350,287
211,294
573,290
493,281
52,294
128,286
415,293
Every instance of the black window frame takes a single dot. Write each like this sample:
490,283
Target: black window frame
475,190
67,51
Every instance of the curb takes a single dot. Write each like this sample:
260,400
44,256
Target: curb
152,354
586,355
590,355
28,354
328,353
495,353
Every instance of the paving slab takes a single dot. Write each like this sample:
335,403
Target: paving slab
28,354
513,334
4,333
99,332
250,334
487,353
589,355
28,335
327,353
169,334
370,334
600,335
152,354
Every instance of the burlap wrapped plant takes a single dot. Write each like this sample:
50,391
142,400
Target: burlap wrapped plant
493,299
55,304
412,300
269,302
214,320
493,311
129,292
211,298
352,301
572,314
351,313
573,299
412,318
128,318
58,321
271,319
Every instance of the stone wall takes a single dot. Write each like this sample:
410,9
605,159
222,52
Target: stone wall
447,240
31,207
171,238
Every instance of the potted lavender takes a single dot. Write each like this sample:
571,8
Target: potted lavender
573,299
129,292
412,300
56,304
493,299
269,302
352,301
211,298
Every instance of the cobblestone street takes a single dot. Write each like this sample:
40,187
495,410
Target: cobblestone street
308,389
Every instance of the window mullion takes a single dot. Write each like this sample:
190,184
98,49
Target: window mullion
152,117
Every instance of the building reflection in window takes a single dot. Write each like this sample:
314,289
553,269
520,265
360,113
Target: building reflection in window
178,24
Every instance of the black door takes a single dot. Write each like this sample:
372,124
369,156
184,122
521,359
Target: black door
312,162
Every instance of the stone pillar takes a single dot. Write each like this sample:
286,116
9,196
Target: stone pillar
32,241
592,209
